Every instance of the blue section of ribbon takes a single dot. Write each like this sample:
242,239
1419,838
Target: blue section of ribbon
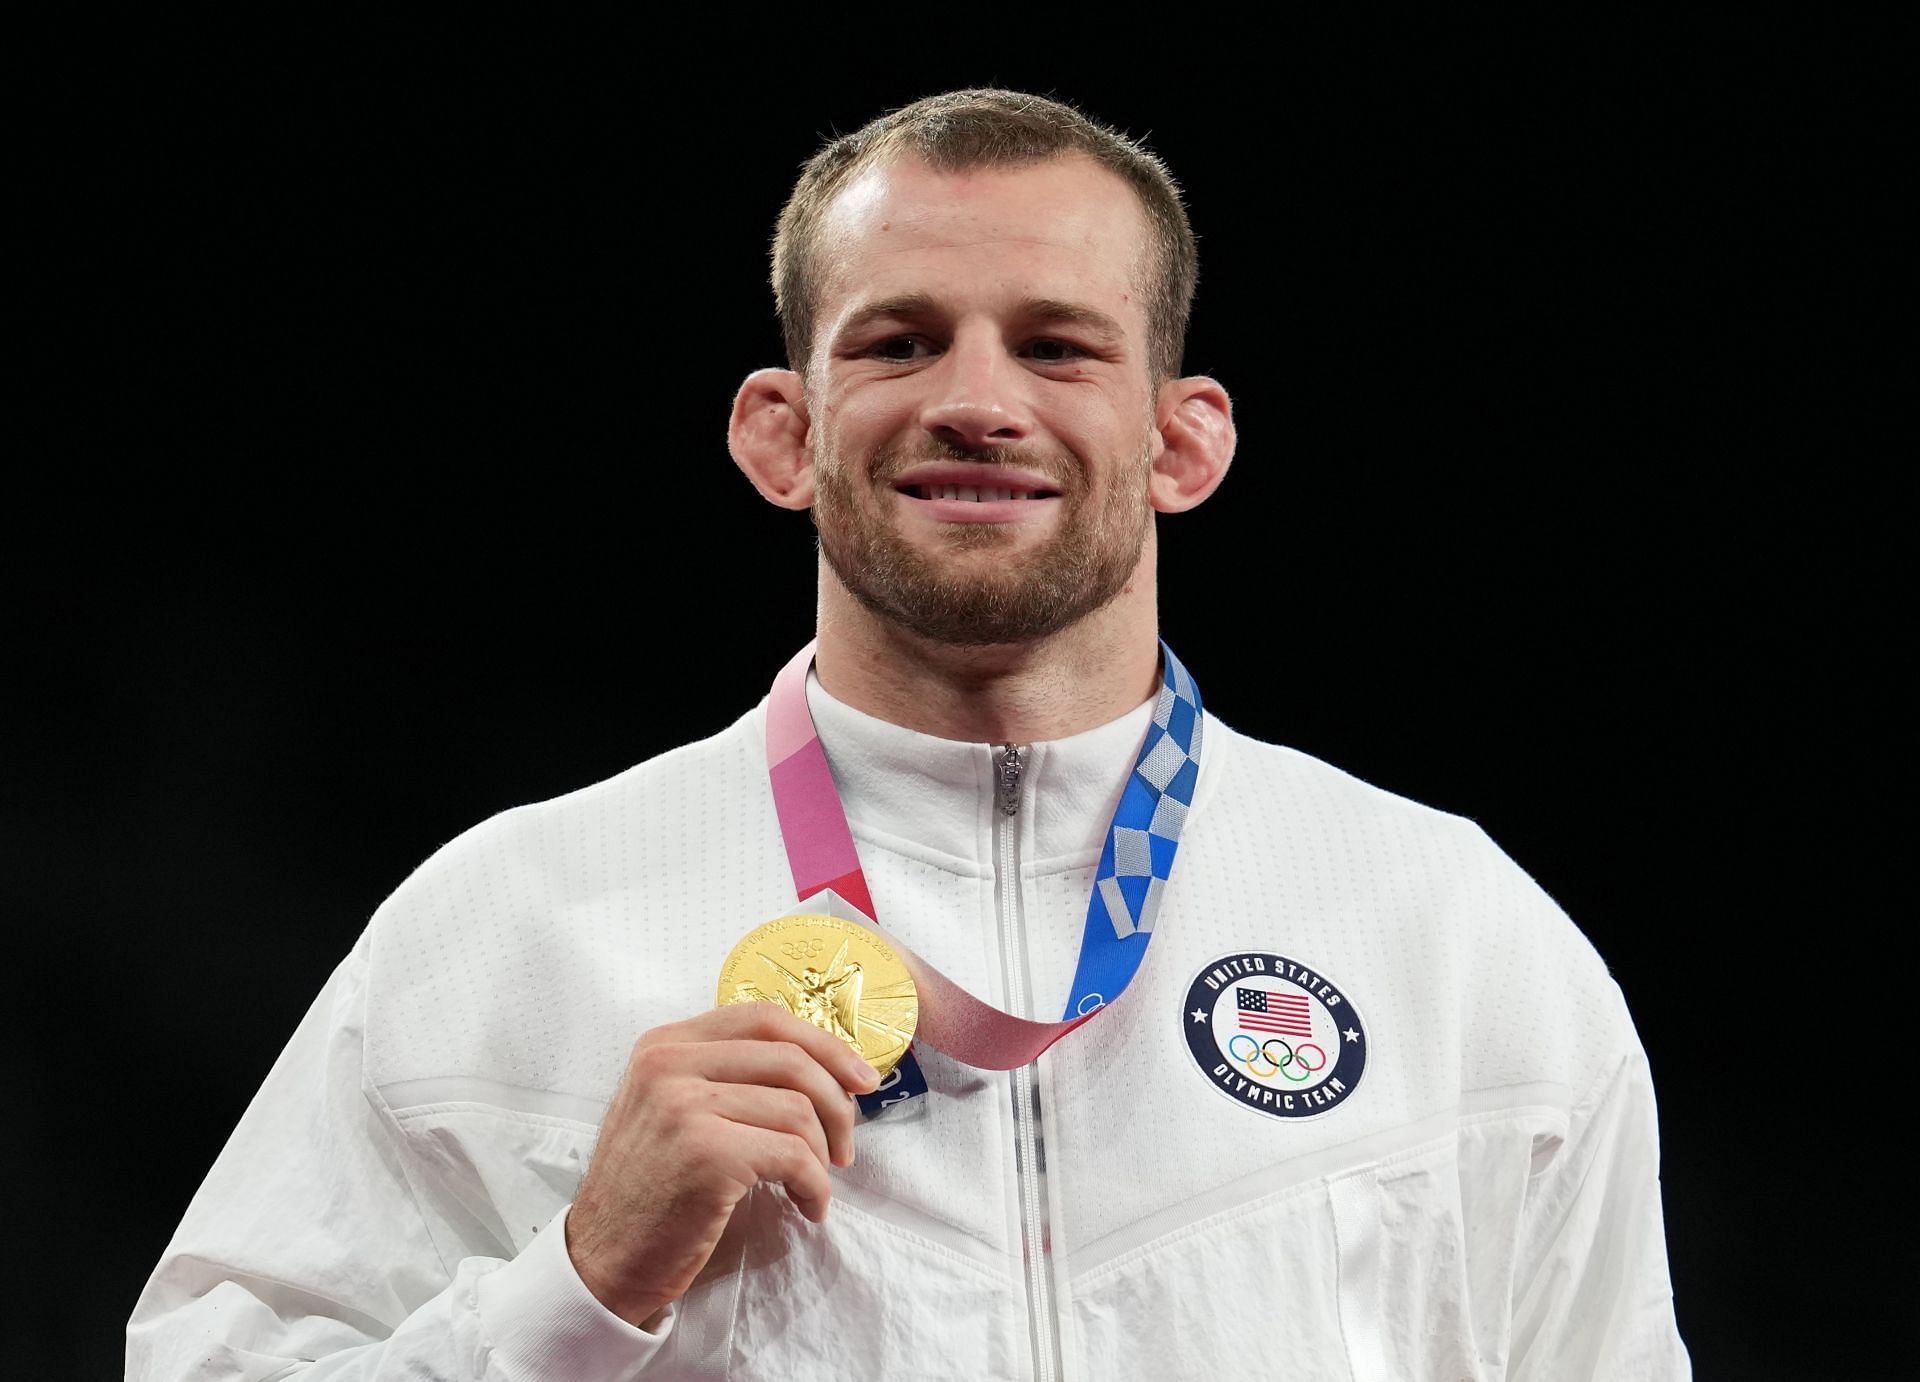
902,1083
1137,859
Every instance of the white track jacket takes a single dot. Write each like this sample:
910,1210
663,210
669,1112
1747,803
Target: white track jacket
1372,1108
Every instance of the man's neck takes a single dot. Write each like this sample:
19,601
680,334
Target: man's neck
1085,675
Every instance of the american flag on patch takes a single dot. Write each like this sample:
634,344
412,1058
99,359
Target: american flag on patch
1262,1010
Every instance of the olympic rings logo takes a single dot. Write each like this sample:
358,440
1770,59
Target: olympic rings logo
1260,1053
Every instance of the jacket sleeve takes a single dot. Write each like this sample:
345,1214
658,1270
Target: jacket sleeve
1592,1298
305,1253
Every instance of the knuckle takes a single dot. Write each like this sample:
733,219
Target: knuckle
672,1114
678,1100
794,1060
763,1019
649,1060
662,1035
812,1175
796,1108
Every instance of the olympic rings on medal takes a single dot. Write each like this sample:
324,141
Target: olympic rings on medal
1290,1056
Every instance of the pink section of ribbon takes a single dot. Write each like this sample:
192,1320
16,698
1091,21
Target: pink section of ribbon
821,854
954,1021
819,845
789,722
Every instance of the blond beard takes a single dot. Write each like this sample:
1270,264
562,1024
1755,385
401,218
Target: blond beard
1080,568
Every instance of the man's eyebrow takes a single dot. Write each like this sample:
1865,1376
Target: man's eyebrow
1073,314
901,305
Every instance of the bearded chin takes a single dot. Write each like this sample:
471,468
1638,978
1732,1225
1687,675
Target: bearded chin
1082,568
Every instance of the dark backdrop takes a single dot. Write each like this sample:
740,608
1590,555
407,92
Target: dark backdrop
389,378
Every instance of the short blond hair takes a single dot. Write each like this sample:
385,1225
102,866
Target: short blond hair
987,127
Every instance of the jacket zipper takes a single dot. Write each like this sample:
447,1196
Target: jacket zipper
1030,1158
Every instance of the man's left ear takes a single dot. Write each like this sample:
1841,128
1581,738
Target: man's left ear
1195,422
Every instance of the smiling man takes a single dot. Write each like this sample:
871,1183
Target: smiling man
983,417
1165,1052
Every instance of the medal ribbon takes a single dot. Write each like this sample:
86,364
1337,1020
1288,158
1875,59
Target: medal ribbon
1135,863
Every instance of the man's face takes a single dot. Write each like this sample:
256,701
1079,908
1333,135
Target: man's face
981,416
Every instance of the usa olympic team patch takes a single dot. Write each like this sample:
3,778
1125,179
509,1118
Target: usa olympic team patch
1275,1035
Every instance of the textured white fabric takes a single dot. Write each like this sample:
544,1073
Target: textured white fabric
1484,1204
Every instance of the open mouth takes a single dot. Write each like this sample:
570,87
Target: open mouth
978,494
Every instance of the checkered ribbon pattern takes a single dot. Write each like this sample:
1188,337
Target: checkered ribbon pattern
1129,882
1137,858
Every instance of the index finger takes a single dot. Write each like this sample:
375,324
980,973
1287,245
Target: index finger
771,1022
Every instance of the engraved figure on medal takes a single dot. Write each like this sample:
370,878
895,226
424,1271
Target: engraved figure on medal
829,999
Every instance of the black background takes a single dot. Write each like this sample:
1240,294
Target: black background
387,376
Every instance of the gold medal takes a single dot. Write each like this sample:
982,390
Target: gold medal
836,974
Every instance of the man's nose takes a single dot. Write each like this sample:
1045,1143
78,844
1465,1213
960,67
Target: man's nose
979,396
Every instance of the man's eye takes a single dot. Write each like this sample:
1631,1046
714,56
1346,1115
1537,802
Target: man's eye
1053,352
898,349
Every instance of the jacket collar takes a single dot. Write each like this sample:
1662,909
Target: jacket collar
942,794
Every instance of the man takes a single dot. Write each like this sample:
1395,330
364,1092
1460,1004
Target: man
1372,1109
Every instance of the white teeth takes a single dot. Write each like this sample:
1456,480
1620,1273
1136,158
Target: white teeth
977,494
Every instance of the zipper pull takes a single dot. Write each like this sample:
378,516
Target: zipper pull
1007,768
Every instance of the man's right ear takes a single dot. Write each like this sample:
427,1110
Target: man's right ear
768,435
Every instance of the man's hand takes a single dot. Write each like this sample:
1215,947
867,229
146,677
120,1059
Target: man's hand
707,1108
